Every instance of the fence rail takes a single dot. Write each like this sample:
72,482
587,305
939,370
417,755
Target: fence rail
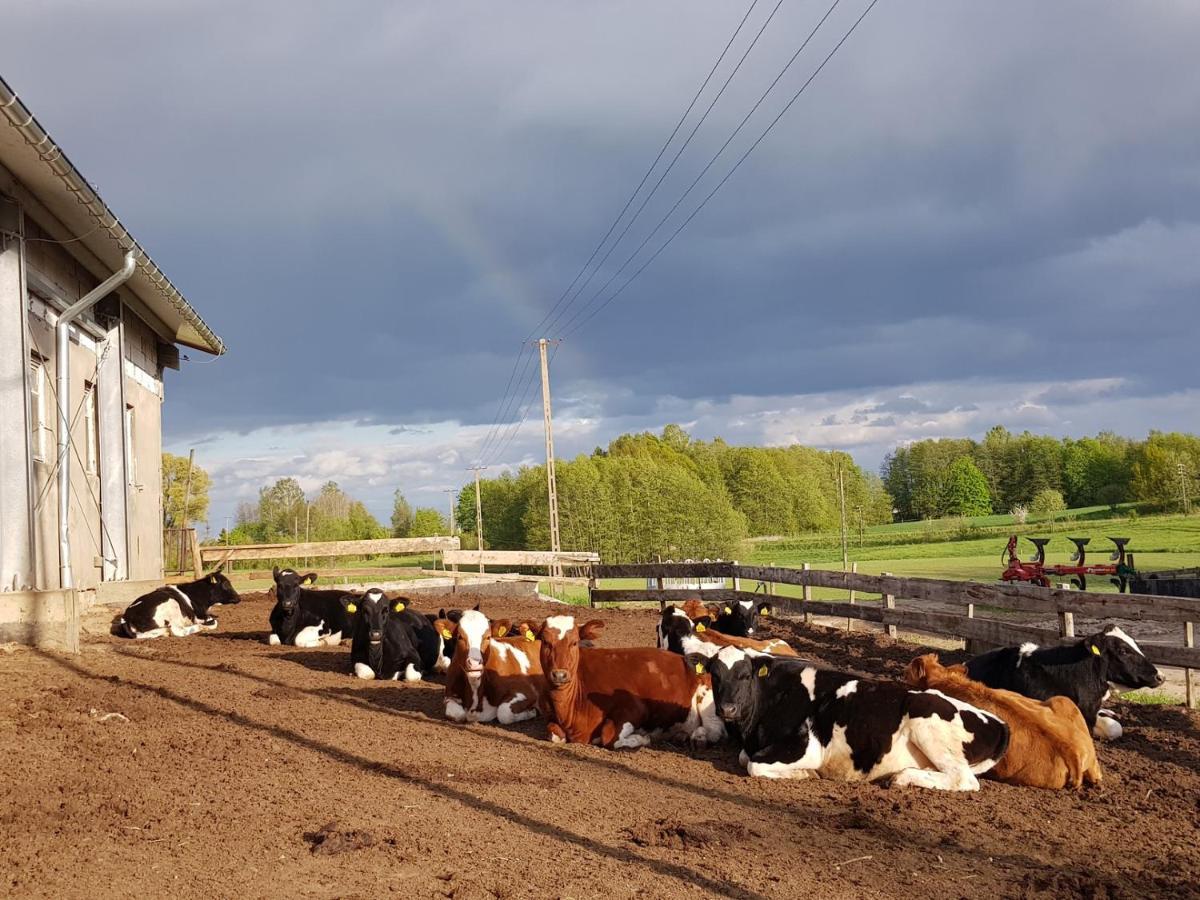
219,553
972,597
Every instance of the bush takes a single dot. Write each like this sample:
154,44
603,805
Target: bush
1020,513
1047,502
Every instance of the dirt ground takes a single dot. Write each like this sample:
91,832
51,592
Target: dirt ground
218,766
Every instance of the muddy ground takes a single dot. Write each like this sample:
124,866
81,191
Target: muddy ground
218,766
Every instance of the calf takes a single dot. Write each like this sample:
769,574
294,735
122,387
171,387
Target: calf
451,617
798,721
619,698
740,617
1083,672
1049,743
681,633
492,677
308,618
177,609
384,644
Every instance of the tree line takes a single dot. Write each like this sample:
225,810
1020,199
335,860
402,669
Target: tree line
670,495
1006,472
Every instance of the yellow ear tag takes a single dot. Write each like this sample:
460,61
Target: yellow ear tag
446,633
350,607
306,581
529,635
501,632
1095,649
762,671
700,626
398,606
699,668
728,611
763,612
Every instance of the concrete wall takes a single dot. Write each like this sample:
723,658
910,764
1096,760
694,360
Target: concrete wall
41,618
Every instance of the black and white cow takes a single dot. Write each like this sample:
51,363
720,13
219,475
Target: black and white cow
391,640
309,618
1085,672
795,720
177,609
450,615
740,617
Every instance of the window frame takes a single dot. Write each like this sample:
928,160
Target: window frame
38,425
91,423
130,451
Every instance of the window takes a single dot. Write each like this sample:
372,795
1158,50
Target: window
130,453
90,423
39,424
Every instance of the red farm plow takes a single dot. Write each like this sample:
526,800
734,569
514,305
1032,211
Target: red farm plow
1119,570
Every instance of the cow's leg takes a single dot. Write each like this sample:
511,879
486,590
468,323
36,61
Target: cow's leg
182,629
308,637
274,640
629,738
332,639
708,727
1107,728
555,732
454,710
935,738
411,673
362,670
770,761
152,633
514,710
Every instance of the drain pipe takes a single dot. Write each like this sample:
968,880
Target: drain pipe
62,363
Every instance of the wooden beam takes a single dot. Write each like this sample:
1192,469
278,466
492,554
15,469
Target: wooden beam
331,548
519,557
668,570
723,595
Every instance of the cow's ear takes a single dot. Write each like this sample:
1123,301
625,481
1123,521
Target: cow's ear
476,608
275,572
350,602
591,630
441,614
765,609
697,662
212,579
310,578
399,605
915,673
501,628
764,669
447,629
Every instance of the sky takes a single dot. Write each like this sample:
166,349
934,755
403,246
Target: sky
975,214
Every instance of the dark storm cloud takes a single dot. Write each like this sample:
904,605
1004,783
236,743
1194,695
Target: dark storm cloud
375,207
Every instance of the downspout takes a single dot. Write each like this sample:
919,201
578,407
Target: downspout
62,364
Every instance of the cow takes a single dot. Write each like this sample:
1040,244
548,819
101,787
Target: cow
1084,672
681,633
799,721
1049,744
177,609
390,640
492,676
620,698
740,617
308,618
451,617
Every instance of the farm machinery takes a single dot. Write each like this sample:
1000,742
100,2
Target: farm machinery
1119,569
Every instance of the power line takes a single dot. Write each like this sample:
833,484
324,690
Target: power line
671,165
572,329
528,401
493,430
506,401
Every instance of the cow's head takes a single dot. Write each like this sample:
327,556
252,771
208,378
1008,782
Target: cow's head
221,587
1127,665
561,638
740,617
676,625
473,635
373,610
928,672
737,677
288,583
698,611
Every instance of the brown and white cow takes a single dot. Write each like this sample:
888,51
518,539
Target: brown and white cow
684,633
491,677
620,698
1049,744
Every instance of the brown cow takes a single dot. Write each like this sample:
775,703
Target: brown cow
1049,745
617,698
680,632
491,677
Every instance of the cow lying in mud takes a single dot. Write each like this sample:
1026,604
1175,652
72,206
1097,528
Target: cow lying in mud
797,721
177,609
391,641
491,676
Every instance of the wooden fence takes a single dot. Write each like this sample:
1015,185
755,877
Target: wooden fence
214,555
967,600
538,559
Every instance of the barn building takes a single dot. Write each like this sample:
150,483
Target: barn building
87,315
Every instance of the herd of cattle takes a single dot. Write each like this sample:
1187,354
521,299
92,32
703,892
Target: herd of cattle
1025,715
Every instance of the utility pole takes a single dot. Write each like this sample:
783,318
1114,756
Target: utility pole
478,515
453,492
187,499
842,509
551,485
1183,489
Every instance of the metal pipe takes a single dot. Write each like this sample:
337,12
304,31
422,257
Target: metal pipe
62,364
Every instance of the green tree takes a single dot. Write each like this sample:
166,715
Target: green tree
175,491
402,515
1047,501
1157,464
966,490
428,522
281,510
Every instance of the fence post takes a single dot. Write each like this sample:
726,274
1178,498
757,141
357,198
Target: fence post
1066,624
737,582
889,602
662,603
969,643
197,564
591,588
806,596
850,619
1189,640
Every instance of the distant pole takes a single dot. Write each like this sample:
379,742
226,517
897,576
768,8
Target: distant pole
842,508
307,526
187,499
1183,489
452,492
551,484
478,516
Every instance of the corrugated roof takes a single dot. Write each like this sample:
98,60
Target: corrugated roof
40,165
